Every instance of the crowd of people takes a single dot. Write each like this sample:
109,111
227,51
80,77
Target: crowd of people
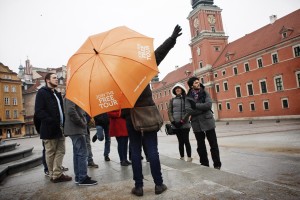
56,118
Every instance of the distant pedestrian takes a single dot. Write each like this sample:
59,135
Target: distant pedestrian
180,120
199,105
49,112
76,129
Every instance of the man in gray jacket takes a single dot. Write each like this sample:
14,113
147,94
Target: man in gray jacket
198,105
76,128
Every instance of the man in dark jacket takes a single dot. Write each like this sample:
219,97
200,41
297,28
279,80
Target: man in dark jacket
150,138
49,111
198,105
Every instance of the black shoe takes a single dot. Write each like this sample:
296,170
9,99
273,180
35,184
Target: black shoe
93,165
94,138
160,188
137,191
88,182
124,163
128,162
106,158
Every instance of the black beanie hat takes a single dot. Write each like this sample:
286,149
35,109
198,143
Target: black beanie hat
191,80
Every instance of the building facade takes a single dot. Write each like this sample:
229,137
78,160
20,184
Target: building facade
254,77
11,106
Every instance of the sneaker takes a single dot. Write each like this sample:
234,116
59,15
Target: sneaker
219,167
64,168
47,173
94,138
137,191
181,158
160,188
189,159
106,158
62,178
124,163
92,164
77,182
88,182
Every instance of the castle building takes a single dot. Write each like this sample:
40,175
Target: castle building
254,77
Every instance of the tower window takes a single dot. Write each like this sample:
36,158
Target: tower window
213,29
217,88
246,65
235,70
200,65
216,75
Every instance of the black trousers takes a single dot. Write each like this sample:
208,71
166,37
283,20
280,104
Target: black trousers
183,140
214,148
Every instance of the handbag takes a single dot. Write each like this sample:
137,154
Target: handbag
146,119
169,130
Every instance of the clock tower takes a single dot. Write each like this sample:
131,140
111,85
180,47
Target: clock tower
207,34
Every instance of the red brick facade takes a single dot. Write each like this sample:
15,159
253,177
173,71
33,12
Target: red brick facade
254,77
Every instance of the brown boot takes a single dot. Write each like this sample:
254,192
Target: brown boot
62,178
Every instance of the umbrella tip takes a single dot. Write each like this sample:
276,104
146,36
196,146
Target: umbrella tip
95,51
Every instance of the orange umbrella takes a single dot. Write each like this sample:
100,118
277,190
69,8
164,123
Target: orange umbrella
110,70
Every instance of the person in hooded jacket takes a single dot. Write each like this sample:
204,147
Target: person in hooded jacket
150,138
198,105
49,112
180,120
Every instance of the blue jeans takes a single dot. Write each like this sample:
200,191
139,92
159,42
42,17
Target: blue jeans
122,147
150,140
79,157
100,130
44,158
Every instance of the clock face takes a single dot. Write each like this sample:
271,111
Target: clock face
196,22
211,19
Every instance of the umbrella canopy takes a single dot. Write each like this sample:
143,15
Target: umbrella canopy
110,70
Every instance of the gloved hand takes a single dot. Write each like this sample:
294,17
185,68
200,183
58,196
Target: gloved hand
177,32
193,104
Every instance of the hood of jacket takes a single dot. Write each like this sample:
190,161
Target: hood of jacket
184,91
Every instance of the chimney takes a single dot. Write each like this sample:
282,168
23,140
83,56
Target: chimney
273,18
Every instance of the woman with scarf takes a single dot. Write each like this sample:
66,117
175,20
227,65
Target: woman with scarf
180,120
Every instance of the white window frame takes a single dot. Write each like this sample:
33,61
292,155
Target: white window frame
224,88
245,64
240,104
15,101
13,89
161,106
279,76
233,71
297,80
293,49
7,114
263,80
248,89
283,99
6,101
266,101
216,74
252,103
217,87
238,86
6,88
219,105
202,80
275,53
15,114
200,64
224,72
228,103
262,64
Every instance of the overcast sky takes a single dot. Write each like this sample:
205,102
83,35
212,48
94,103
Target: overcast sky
49,32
